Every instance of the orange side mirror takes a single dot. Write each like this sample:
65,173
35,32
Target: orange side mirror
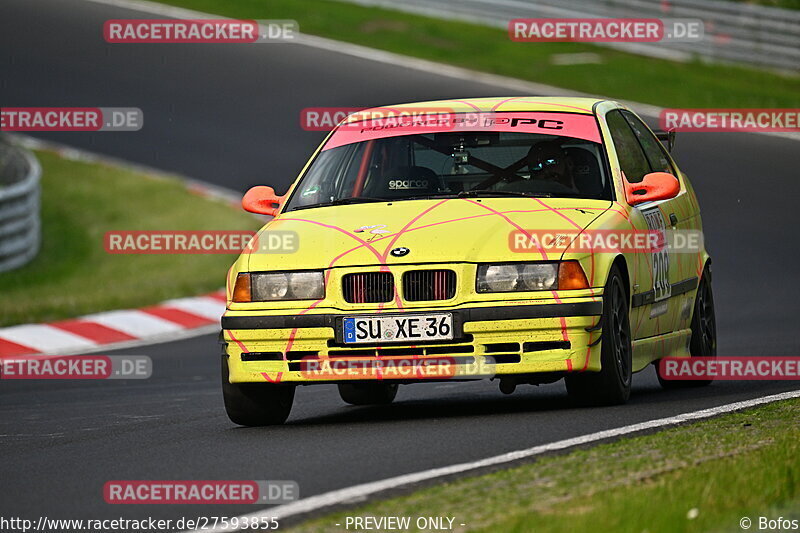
262,200
654,186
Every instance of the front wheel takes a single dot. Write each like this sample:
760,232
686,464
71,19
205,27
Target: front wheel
256,404
367,393
612,385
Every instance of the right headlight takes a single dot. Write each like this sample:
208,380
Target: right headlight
272,286
497,278
517,277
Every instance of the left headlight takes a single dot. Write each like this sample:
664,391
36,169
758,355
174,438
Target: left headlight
517,277
272,286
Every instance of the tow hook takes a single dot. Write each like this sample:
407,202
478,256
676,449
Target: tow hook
508,385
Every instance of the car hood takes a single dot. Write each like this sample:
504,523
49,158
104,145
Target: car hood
448,230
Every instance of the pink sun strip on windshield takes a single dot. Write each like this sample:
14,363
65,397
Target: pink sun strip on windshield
578,126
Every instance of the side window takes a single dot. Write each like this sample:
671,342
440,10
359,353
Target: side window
653,149
632,160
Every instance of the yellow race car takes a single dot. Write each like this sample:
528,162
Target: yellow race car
521,239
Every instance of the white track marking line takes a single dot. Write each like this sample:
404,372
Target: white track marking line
44,338
134,323
361,492
391,58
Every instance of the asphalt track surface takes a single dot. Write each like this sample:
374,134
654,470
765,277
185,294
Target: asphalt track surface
229,115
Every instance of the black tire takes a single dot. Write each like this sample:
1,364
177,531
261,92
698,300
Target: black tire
612,384
256,404
704,333
368,393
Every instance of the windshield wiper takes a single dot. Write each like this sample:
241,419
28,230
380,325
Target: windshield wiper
427,196
487,192
476,193
342,201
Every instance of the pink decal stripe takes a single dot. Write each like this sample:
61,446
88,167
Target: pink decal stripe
576,125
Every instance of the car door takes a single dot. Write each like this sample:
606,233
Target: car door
651,312
682,215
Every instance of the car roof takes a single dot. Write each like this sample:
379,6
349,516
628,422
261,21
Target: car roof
487,105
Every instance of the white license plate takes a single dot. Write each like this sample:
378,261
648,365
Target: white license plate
398,328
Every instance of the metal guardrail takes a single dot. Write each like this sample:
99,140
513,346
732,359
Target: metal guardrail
734,31
20,225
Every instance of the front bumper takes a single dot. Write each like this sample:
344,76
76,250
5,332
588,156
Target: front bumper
545,336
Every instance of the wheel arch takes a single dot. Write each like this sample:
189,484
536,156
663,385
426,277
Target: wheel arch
621,262
706,266
700,277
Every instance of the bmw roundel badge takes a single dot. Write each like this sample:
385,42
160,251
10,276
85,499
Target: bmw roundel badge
400,252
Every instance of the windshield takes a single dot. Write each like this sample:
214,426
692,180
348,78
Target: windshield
388,166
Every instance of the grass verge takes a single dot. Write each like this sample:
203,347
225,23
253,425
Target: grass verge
697,478
73,275
617,75
784,4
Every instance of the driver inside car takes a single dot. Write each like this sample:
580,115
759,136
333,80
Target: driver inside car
548,161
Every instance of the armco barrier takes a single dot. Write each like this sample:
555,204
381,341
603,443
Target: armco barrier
734,31
20,225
